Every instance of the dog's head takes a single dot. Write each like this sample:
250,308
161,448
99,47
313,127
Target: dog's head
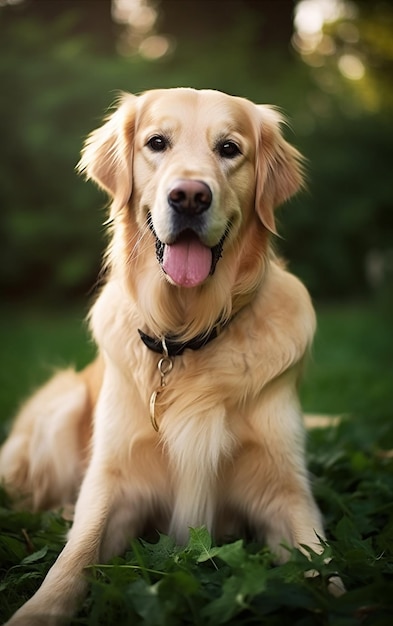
196,167
194,178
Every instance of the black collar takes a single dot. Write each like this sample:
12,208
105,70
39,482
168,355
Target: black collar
177,347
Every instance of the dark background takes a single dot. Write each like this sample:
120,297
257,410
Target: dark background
62,63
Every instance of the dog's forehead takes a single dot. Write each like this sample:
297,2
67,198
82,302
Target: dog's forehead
180,108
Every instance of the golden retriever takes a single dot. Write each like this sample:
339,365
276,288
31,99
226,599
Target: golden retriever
190,414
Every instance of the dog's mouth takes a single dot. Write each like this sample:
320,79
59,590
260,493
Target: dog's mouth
187,261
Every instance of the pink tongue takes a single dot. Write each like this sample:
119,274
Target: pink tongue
187,262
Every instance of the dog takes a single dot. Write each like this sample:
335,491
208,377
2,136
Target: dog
190,415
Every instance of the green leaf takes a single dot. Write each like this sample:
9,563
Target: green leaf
36,556
230,603
233,554
156,555
146,602
247,580
178,583
200,545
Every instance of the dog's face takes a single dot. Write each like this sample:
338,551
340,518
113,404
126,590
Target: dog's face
196,167
193,177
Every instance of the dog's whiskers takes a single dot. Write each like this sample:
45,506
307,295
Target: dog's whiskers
140,244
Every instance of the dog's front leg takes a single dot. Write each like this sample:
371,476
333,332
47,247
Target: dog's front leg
270,482
65,583
270,479
107,512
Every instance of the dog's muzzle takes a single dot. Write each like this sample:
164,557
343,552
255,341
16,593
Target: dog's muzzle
185,259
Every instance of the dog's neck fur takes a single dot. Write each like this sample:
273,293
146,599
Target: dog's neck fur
166,309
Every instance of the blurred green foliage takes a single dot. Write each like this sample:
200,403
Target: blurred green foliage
58,77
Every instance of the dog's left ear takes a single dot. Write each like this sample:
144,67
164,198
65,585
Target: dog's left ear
279,171
107,154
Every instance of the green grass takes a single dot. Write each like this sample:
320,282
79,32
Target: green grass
33,345
203,584
351,367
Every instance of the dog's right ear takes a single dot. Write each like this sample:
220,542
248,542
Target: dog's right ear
108,152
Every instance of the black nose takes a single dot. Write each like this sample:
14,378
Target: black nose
191,197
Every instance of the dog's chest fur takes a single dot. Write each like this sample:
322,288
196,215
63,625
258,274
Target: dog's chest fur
213,398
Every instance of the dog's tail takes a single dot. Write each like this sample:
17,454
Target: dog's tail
44,458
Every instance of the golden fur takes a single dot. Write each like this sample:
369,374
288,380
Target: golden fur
230,445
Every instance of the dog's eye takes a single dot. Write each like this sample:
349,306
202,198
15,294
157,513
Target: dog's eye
158,143
228,149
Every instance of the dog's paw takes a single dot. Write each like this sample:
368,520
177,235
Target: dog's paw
336,586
